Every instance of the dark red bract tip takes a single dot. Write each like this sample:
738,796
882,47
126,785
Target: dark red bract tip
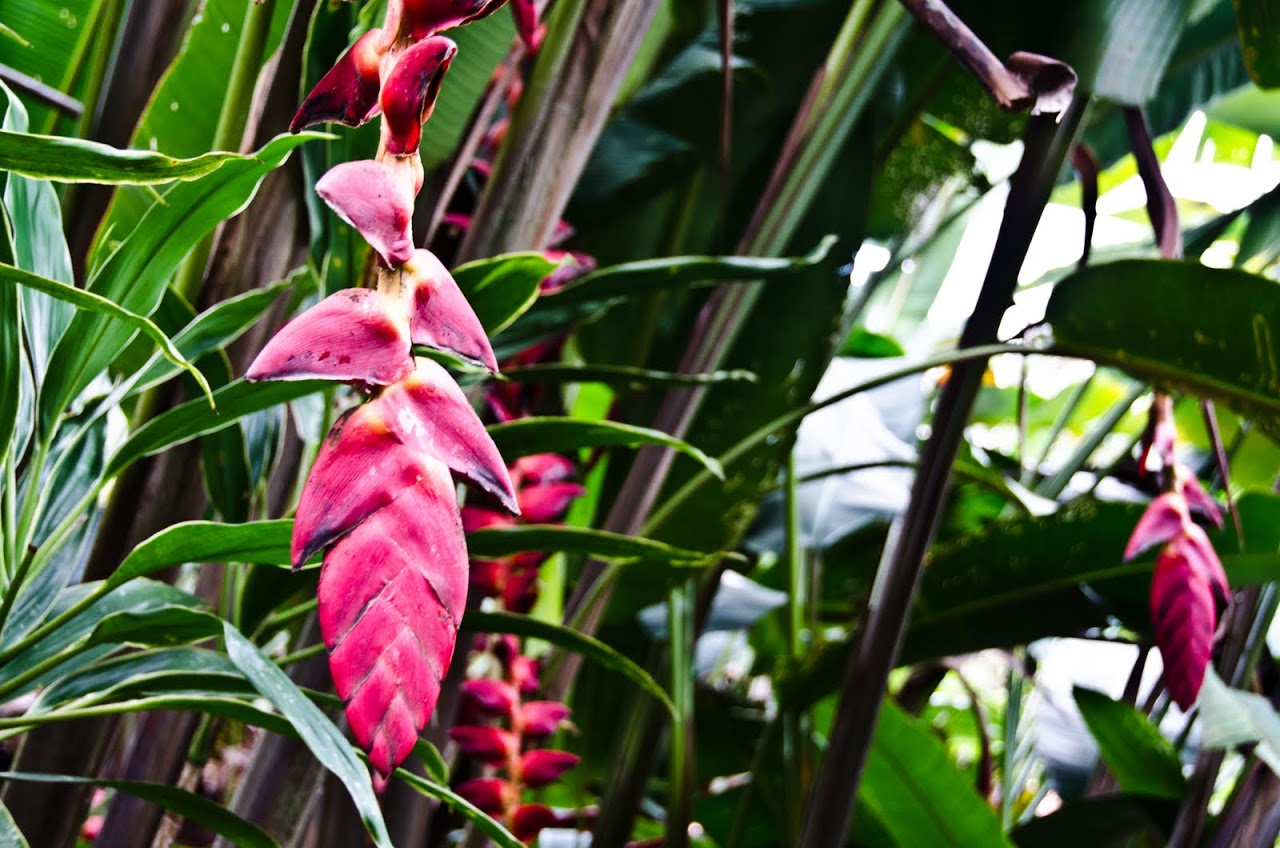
348,93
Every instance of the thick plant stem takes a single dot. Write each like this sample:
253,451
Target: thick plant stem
865,680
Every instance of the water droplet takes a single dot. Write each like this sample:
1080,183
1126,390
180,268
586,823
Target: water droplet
226,27
173,107
64,13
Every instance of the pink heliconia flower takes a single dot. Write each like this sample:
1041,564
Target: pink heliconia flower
543,468
1161,435
572,265
524,673
529,819
496,697
378,201
547,502
409,93
542,718
439,315
418,19
542,766
486,743
391,594
1187,585
479,517
355,336
531,31
428,413
493,795
348,93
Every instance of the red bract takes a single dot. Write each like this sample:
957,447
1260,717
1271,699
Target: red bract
529,819
487,744
439,315
526,14
548,501
348,94
378,201
356,336
420,18
491,794
540,767
495,697
390,597
409,93
542,718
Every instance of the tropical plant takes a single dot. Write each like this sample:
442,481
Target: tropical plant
789,505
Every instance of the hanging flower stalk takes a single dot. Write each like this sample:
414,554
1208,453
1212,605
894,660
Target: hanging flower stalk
1188,585
380,500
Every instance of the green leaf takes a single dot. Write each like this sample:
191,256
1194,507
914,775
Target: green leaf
58,36
502,288
211,330
207,541
434,765
621,375
87,301
864,344
189,805
1230,717
74,160
918,793
1024,578
10,836
1148,317
486,825
136,274
1259,23
503,541
195,418
156,671
200,810
567,435
315,729
1142,761
169,624
1122,56
570,640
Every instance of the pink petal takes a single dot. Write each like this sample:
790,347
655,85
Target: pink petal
542,718
390,596
1184,617
526,14
439,315
489,744
410,90
530,819
540,767
362,467
543,468
430,414
356,335
491,794
1165,518
1194,546
479,517
488,577
1198,500
378,201
348,93
547,502
418,19
495,697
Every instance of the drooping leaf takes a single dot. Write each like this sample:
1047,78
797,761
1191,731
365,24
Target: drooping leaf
156,671
194,418
206,541
9,833
570,640
391,594
189,805
75,160
316,730
565,435
1147,317
504,541
485,824
136,274
87,301
620,375
1142,761
918,793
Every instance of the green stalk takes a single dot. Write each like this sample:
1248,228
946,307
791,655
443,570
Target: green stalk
794,762
1102,427
1031,472
680,626
830,809
105,51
